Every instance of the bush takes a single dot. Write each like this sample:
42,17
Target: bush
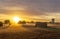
7,22
22,22
1,24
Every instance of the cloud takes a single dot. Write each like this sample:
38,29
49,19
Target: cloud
30,7
42,5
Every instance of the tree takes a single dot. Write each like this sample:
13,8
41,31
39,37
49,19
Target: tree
7,22
32,21
22,22
1,24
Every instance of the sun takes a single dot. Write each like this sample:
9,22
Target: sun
16,19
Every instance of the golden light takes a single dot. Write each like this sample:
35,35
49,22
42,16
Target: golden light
16,19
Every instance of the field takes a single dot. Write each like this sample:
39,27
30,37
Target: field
31,32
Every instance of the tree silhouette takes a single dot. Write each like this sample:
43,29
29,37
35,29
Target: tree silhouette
22,22
32,21
7,22
1,24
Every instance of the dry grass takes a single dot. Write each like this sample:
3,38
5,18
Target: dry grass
19,32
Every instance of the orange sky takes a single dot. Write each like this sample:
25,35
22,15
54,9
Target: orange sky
38,10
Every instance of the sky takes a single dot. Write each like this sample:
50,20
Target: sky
30,9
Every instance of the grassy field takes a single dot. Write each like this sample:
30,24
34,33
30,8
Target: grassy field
20,32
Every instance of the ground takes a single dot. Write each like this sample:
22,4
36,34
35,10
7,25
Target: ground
21,32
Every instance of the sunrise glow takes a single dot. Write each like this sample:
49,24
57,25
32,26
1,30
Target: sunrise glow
16,19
